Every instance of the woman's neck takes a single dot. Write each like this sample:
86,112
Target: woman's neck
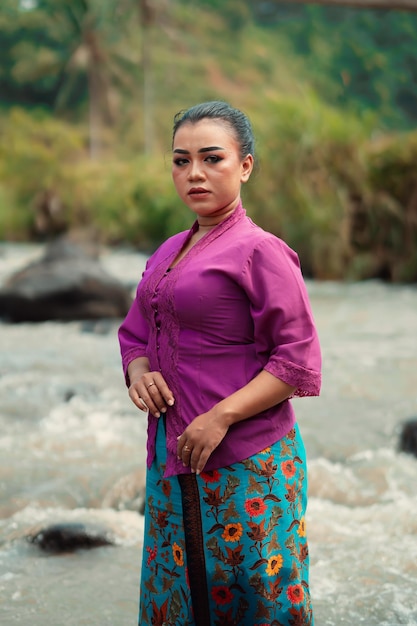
208,223
207,227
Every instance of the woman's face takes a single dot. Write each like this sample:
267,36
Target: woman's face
207,169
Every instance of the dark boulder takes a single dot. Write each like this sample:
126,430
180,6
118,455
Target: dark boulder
408,437
68,283
69,537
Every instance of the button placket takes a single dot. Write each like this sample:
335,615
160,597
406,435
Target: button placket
157,319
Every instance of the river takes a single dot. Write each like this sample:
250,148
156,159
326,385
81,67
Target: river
68,435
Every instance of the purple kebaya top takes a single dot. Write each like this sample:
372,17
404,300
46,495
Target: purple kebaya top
234,305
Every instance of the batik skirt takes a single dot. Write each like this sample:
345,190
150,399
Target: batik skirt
228,547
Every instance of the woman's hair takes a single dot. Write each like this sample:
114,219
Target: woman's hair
222,111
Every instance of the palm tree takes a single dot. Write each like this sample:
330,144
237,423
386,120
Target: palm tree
149,12
90,57
78,56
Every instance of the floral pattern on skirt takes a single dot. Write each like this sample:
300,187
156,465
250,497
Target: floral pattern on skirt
228,547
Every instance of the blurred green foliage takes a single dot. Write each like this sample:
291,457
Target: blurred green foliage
89,89
52,185
363,60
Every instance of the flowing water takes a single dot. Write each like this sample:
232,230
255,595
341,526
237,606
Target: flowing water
69,436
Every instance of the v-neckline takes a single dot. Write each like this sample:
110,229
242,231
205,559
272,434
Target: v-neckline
206,238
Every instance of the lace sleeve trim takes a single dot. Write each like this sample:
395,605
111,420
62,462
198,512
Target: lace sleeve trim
307,382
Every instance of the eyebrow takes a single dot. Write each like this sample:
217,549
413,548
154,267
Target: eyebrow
208,149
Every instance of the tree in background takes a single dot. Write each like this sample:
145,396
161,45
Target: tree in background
149,12
64,56
359,58
320,84
60,51
398,5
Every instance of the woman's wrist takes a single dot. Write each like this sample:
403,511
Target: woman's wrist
227,413
260,394
137,368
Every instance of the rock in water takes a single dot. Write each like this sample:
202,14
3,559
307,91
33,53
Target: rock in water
69,537
66,284
408,437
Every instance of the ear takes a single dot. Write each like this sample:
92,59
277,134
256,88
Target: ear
246,168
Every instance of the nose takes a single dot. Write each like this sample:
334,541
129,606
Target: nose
195,171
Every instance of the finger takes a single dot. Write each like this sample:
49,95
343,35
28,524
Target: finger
155,406
186,454
195,462
143,404
180,444
137,400
154,399
149,391
153,395
184,450
199,463
163,389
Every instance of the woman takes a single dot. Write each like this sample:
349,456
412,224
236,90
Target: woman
218,339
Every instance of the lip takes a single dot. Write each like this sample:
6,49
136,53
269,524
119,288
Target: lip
197,191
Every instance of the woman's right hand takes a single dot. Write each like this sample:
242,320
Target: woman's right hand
149,392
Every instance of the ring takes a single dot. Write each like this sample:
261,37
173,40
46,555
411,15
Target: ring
187,448
150,385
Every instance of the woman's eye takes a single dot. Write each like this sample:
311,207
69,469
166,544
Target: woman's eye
213,158
180,162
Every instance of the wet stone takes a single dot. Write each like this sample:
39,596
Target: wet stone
69,537
408,437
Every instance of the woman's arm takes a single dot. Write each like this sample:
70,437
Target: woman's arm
147,390
207,430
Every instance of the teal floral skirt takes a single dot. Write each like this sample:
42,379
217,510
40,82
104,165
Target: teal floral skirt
228,547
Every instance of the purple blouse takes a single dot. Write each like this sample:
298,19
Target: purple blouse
235,304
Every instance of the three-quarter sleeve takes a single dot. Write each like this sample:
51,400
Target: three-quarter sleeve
133,336
285,333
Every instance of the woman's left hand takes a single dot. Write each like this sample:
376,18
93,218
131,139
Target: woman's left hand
207,430
200,438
